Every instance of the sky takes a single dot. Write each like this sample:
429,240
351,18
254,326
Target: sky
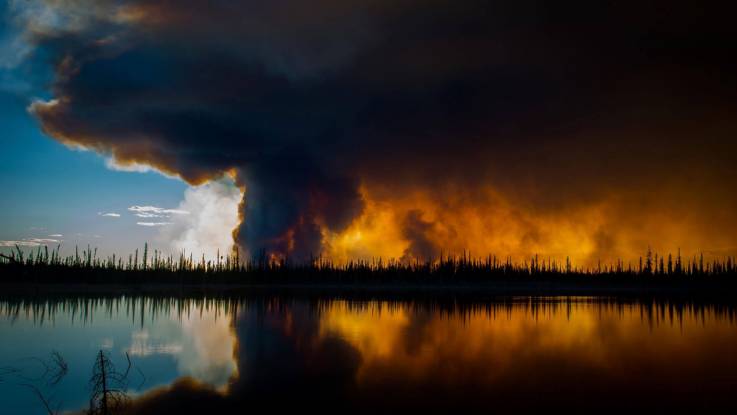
56,194
357,130
72,197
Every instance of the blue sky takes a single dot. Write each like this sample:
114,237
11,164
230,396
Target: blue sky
53,193
49,189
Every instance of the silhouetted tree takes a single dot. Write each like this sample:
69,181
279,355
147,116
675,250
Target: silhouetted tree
649,261
108,386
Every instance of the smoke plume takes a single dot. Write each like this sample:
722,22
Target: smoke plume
574,127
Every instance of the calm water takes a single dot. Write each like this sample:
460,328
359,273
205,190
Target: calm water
240,353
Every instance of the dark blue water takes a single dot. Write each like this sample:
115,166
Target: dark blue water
233,354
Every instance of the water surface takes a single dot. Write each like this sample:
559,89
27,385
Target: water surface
237,353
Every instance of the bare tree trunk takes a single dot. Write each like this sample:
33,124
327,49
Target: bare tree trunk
104,385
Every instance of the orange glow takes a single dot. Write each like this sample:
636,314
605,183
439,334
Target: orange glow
374,234
486,225
491,345
484,222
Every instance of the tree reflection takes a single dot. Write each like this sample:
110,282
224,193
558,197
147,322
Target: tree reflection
444,354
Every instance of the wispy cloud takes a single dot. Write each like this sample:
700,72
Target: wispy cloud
155,212
150,215
153,223
109,214
143,345
87,235
29,242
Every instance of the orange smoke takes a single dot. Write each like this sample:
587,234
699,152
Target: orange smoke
456,224
421,224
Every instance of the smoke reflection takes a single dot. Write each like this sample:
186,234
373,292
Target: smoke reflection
514,353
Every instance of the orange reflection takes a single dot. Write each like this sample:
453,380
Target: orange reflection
486,346
519,354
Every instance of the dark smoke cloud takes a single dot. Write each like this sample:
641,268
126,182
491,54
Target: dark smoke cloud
554,104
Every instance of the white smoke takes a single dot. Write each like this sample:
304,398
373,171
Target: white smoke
213,214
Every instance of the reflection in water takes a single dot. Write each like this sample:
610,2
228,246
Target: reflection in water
211,355
165,340
237,353
203,345
528,356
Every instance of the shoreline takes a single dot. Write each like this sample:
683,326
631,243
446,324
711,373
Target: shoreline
714,290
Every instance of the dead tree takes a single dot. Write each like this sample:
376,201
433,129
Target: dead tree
55,368
108,386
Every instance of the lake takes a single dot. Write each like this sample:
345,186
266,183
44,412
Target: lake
231,353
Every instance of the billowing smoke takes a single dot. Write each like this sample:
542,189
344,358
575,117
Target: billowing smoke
525,116
212,214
